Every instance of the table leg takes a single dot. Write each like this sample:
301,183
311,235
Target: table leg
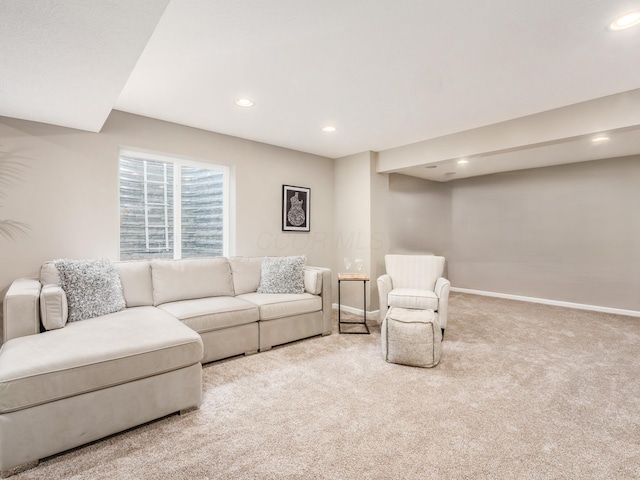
339,324
366,327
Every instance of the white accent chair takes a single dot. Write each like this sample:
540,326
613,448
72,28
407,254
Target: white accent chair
414,281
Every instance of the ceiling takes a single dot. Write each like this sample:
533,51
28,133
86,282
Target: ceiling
386,74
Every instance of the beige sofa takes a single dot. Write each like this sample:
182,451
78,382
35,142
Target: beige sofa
64,387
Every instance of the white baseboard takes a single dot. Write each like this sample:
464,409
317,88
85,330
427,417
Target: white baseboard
358,311
581,306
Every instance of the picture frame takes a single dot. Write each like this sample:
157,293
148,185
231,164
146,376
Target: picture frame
296,209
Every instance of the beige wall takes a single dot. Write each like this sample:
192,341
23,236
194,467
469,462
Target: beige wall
569,233
361,225
68,190
352,223
419,216
379,228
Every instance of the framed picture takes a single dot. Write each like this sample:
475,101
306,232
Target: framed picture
295,209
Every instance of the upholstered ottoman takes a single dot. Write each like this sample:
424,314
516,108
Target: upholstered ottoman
411,337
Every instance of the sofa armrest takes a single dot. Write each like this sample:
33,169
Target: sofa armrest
313,280
442,291
385,285
21,309
325,292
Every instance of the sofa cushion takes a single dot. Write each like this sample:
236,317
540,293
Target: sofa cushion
92,287
135,277
246,274
85,356
53,307
412,298
213,313
175,280
282,275
273,305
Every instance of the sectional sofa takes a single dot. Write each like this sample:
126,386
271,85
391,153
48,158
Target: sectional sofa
66,383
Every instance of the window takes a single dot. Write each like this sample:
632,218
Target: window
172,208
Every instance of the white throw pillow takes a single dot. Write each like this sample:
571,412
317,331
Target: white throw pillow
53,307
282,275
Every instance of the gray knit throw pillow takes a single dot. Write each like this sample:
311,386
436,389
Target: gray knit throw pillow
92,288
282,275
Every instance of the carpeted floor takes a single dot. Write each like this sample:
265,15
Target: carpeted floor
523,391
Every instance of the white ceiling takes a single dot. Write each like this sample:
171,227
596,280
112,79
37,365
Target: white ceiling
66,62
384,73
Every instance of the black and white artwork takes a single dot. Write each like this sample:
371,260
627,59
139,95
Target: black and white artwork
295,208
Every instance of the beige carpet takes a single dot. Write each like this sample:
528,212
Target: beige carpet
523,391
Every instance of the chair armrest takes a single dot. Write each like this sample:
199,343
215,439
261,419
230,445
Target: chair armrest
442,291
385,285
21,309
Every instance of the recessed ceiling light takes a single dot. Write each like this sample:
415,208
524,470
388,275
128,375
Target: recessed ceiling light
244,102
462,161
328,128
600,139
627,20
